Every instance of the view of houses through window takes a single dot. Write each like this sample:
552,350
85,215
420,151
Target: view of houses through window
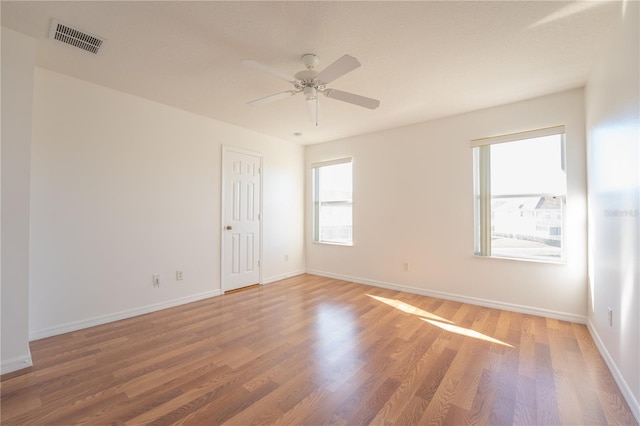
527,227
332,202
520,198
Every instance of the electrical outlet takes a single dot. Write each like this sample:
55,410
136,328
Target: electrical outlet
286,257
178,275
610,316
156,280
405,266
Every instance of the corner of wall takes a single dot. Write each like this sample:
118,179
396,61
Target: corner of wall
625,389
18,62
15,364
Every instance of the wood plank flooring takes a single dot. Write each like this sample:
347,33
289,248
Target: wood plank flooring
310,350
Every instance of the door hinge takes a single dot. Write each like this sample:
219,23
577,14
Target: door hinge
258,216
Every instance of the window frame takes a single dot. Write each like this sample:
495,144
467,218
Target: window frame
316,203
482,193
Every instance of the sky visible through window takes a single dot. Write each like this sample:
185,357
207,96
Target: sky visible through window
336,182
531,166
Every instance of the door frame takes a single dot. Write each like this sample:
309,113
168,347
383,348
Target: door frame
225,149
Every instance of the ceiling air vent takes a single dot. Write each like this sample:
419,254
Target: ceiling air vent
75,37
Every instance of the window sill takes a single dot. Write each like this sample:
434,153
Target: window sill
331,243
524,259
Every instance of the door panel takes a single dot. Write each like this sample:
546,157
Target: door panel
240,219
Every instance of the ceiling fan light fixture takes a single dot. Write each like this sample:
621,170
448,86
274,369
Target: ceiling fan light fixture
310,92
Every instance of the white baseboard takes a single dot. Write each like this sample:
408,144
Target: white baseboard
15,364
279,277
103,319
530,310
633,403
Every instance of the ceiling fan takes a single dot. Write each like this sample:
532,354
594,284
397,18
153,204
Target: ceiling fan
310,83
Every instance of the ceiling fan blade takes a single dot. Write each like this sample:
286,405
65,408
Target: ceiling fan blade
272,98
337,69
352,98
257,65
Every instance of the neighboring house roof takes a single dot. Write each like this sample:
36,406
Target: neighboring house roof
541,203
548,203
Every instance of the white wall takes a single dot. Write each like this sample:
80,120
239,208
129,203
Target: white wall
413,202
18,58
123,188
613,111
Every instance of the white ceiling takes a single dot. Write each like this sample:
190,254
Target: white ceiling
422,60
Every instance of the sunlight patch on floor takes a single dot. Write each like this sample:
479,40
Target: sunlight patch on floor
409,309
466,332
438,321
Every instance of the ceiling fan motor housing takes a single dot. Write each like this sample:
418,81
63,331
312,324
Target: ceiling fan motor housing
306,75
306,80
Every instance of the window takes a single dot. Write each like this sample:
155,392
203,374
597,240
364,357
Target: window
520,195
332,202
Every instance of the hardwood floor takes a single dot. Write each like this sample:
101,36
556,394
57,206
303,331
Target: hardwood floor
311,350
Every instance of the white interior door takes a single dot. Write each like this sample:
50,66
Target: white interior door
241,200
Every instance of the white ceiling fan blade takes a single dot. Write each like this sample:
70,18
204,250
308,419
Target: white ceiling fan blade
352,98
337,69
257,65
272,98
